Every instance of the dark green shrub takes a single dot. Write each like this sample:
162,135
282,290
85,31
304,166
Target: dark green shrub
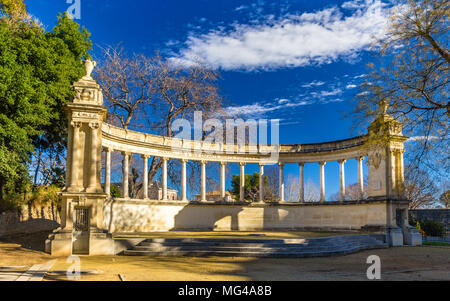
115,191
432,228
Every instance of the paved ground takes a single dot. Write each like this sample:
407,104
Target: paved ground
401,263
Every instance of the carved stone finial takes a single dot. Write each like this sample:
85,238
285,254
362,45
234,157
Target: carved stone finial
89,66
384,106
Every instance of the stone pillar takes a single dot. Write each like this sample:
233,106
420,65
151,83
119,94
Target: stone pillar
222,179
400,174
125,173
108,171
281,182
164,179
261,183
203,182
75,164
322,181
301,182
342,179
93,164
183,180
242,182
360,176
145,176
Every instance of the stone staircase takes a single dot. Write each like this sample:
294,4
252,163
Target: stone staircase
308,247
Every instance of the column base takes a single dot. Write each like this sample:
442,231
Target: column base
394,236
412,236
59,243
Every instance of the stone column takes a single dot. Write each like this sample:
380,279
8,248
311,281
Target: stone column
93,176
222,179
203,182
126,172
74,187
242,182
145,176
164,179
322,181
342,179
301,182
281,181
108,171
261,183
360,176
183,180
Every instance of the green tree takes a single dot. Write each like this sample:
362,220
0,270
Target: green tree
37,69
251,186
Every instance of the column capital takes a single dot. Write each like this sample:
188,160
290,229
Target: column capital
203,162
359,158
242,163
261,164
126,153
108,149
301,164
342,161
322,163
164,159
144,156
222,163
94,125
76,124
281,164
183,160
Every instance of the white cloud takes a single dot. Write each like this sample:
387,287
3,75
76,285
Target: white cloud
258,110
420,138
295,40
313,84
326,93
350,86
241,7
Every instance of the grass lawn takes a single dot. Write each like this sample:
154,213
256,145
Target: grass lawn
436,243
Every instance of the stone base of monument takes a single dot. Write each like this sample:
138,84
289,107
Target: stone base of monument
61,243
413,237
394,236
101,243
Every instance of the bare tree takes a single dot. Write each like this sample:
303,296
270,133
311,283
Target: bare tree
412,78
311,192
271,191
418,188
149,93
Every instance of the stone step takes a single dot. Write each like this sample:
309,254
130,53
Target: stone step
322,246
249,247
258,244
304,253
321,240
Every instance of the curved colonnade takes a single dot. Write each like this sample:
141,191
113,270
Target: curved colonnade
130,142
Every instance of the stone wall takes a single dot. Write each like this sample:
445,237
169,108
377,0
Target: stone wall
29,220
140,216
440,215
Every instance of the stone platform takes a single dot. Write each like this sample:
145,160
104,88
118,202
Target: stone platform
255,247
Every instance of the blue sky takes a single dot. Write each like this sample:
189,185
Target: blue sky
297,61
